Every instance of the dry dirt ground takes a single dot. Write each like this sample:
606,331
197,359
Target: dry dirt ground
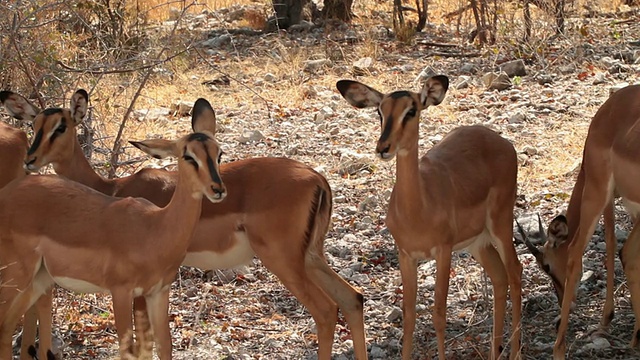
275,96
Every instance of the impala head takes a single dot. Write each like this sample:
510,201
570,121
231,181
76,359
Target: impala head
198,153
552,256
53,128
398,110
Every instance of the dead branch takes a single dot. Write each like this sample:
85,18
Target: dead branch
115,152
96,71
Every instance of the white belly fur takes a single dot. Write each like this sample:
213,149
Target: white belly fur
79,286
240,254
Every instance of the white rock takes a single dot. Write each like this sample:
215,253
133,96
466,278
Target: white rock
250,136
269,77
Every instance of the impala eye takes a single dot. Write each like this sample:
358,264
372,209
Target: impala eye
190,160
58,131
62,128
411,113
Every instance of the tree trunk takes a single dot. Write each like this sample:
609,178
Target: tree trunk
338,9
291,12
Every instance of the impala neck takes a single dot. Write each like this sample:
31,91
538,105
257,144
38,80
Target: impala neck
78,169
184,206
573,211
408,187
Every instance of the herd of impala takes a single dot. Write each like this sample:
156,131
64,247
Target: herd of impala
90,234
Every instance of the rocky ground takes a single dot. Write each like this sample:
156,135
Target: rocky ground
542,104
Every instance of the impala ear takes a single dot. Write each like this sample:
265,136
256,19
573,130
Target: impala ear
434,90
18,106
358,94
558,231
203,118
158,148
79,105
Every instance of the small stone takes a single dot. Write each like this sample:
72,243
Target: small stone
567,69
517,118
425,74
181,108
496,81
599,343
377,352
514,68
315,65
318,117
361,278
619,69
363,66
469,68
621,234
529,150
269,77
523,159
544,79
250,136
394,314
586,276
462,82
217,41
599,78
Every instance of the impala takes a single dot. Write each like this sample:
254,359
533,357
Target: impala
278,209
57,231
13,149
460,195
610,167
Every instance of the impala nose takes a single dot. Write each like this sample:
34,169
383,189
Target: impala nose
218,193
29,164
384,153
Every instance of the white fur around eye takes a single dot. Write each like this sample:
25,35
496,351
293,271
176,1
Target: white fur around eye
53,129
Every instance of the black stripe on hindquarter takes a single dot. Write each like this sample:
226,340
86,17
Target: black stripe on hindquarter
36,143
316,203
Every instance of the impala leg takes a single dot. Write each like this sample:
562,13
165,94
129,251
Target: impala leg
158,309
612,244
409,273
29,326
594,199
122,309
321,307
489,258
44,307
17,303
443,270
349,300
631,266
144,335
502,232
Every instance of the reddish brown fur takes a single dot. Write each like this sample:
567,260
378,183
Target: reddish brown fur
464,188
109,240
269,198
609,167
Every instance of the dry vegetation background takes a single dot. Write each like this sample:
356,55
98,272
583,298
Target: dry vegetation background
139,59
